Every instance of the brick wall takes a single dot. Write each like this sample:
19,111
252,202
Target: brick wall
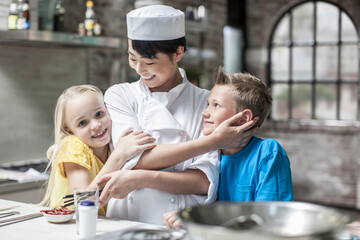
324,160
324,156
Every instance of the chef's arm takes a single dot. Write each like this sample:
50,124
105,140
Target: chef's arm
191,181
226,135
129,144
120,183
115,161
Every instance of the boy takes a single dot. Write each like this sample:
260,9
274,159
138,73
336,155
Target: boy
259,171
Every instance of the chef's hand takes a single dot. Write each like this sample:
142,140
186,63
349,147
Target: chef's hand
171,219
118,184
231,134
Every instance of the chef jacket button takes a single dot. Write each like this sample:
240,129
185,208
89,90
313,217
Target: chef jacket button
131,199
172,200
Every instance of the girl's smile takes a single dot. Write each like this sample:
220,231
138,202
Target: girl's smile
87,118
101,134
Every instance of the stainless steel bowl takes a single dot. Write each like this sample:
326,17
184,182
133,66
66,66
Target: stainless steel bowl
263,220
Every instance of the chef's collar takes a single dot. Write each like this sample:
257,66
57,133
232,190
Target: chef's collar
165,97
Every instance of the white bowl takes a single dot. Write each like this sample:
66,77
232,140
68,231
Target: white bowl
58,218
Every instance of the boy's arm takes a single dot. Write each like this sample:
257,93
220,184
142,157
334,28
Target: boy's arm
226,135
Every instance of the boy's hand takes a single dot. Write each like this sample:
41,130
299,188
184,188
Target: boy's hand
171,219
227,135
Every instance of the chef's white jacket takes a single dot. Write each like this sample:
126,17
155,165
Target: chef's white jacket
170,117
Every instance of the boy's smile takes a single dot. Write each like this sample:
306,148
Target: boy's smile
220,107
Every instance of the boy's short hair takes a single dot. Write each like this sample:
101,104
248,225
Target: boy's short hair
248,92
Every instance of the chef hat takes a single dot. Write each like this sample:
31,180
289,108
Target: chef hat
155,23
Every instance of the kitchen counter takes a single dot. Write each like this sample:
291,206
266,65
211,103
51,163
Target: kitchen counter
39,228
14,186
23,181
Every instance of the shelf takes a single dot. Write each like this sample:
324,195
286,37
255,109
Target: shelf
56,39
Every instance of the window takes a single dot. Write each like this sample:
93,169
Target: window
314,64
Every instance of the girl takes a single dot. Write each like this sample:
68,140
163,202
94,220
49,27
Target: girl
165,104
82,135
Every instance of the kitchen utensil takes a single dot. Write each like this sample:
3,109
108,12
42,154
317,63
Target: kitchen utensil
19,219
144,233
8,207
7,214
243,222
69,199
281,220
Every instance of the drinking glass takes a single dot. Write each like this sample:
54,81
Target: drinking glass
84,194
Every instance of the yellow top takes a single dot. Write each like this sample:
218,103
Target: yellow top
73,151
89,4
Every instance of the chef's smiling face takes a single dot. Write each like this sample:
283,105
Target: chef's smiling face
159,74
87,118
220,106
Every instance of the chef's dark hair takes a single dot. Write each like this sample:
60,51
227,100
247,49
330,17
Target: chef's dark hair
148,49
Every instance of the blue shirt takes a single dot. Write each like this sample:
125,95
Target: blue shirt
259,172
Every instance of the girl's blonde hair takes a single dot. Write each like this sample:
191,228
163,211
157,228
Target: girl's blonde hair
60,133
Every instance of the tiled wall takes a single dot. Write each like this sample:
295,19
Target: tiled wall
31,79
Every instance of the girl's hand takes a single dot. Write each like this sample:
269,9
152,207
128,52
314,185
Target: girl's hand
133,142
230,135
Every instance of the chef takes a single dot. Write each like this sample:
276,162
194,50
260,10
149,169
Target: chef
165,104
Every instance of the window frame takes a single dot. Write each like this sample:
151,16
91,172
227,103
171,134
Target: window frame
313,45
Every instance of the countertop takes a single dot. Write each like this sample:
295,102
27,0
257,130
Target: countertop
22,175
39,228
107,228
15,186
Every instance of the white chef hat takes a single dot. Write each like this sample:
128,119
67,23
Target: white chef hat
155,23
